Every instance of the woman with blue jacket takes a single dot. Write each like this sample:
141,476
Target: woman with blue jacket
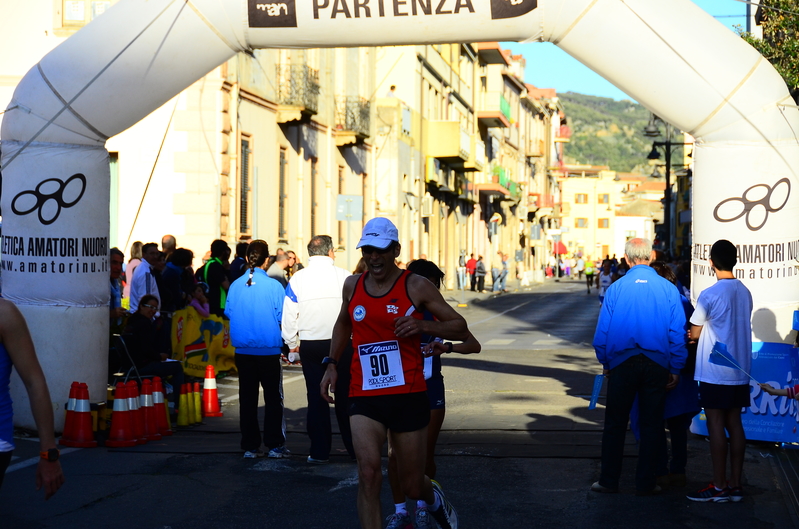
255,307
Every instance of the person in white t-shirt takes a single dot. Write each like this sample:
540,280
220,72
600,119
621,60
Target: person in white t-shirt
604,279
723,315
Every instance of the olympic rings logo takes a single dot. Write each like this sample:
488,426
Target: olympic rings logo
751,207
48,198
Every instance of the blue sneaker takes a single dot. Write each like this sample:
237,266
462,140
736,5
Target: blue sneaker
423,520
278,452
445,516
399,521
710,493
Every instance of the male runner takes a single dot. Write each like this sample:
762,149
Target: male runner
382,311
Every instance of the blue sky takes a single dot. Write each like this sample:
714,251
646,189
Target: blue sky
549,67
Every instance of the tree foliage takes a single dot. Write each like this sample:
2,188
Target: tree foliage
780,43
606,132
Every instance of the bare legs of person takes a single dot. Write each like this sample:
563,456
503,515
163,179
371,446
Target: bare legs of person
409,449
433,429
719,420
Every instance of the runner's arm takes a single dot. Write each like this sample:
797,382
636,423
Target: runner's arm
468,346
17,339
448,324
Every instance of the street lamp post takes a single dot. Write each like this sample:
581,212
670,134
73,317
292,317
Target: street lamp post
653,131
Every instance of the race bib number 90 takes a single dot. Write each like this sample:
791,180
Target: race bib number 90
381,365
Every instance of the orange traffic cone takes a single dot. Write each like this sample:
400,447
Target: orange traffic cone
148,411
121,425
69,418
80,433
161,409
135,412
198,406
210,394
183,410
190,398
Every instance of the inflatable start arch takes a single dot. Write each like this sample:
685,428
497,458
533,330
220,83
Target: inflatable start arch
671,56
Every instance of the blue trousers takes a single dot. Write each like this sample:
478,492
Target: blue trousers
640,376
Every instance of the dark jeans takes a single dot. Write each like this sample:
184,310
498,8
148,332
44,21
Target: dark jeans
167,369
343,399
678,431
5,459
474,281
640,376
318,416
266,371
481,283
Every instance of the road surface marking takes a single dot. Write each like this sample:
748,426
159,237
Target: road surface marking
35,460
260,389
505,312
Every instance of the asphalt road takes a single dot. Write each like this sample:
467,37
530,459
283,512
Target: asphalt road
519,448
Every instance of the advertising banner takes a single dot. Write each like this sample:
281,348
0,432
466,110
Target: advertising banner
55,224
768,418
198,342
755,209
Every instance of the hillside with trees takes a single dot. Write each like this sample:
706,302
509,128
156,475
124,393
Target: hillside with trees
606,132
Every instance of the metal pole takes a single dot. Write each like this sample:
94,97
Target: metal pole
667,192
349,235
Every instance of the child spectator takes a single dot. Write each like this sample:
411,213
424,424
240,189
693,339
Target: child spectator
790,392
199,301
723,315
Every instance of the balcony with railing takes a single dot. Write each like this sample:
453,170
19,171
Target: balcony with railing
477,156
564,134
297,92
352,119
538,200
494,110
535,148
448,141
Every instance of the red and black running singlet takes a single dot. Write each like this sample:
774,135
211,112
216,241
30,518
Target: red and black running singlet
382,363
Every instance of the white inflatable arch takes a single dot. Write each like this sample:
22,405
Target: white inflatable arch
671,56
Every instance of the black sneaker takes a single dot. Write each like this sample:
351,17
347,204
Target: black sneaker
710,493
445,516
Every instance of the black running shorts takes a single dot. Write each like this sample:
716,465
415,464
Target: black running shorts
407,412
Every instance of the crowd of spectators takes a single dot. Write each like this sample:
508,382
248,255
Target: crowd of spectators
155,283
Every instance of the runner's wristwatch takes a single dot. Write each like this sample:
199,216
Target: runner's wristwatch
50,455
327,360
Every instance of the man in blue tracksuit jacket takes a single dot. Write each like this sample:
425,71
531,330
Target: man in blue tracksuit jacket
640,342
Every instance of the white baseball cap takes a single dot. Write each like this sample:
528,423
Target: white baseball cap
379,232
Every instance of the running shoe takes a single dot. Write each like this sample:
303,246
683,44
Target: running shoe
253,454
315,461
423,520
736,494
445,516
278,452
710,493
399,521
596,487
